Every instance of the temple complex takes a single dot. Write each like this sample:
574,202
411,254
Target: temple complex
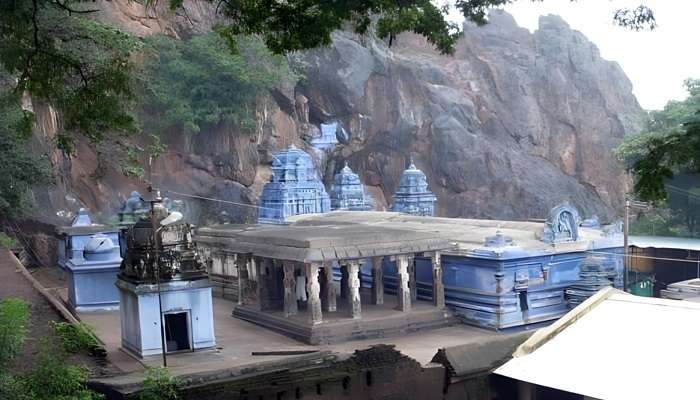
172,295
496,274
347,192
294,188
413,196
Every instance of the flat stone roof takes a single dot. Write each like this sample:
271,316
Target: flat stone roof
320,242
341,235
464,234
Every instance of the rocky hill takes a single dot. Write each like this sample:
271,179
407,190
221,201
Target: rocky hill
512,124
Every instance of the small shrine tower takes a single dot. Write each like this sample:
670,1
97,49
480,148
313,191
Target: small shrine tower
294,188
91,277
413,196
347,192
170,297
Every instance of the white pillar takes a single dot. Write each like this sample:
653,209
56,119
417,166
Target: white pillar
330,287
354,289
314,290
377,281
438,285
403,292
290,289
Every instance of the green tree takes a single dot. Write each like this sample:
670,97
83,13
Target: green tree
669,146
198,82
21,169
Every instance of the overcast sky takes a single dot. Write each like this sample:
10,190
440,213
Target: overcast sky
656,61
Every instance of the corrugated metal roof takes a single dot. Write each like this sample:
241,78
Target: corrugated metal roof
665,242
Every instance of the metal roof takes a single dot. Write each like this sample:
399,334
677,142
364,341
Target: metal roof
615,346
665,242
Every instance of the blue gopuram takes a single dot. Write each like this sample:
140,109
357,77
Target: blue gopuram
347,192
413,196
294,188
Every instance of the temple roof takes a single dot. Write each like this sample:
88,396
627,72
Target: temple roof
320,243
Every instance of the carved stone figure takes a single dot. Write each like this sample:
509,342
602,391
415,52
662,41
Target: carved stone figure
562,225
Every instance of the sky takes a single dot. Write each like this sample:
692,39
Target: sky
657,62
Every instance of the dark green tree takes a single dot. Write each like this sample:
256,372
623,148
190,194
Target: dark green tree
21,169
198,82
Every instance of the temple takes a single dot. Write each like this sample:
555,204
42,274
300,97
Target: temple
173,295
347,192
493,274
294,188
413,196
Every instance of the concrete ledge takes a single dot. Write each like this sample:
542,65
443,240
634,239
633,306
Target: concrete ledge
329,332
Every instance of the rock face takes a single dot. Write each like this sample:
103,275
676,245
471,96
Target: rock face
511,125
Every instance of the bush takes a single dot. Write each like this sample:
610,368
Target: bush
14,314
159,385
54,379
7,241
77,338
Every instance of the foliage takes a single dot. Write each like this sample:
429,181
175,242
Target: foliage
61,55
54,379
7,241
159,385
199,82
51,378
670,145
303,24
14,314
75,338
21,169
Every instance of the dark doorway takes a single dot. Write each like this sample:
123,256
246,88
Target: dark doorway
523,301
177,332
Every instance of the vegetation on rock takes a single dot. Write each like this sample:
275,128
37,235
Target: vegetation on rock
159,385
665,162
199,83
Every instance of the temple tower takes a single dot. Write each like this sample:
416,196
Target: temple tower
347,192
413,196
91,277
294,188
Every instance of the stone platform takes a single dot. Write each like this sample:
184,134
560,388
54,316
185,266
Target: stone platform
377,321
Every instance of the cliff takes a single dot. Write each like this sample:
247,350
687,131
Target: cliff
512,124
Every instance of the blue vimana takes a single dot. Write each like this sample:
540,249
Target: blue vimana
294,188
413,196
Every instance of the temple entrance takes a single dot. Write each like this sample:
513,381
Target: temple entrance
177,331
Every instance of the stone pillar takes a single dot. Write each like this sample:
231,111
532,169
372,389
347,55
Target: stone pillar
403,292
290,289
314,292
412,284
377,281
438,285
330,287
242,272
260,281
343,281
354,301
